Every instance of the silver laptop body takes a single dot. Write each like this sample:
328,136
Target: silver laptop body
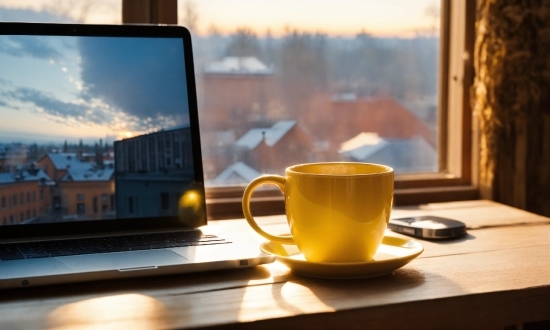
99,149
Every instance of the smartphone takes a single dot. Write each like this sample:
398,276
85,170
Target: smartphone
428,226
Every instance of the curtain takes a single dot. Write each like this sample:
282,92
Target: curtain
511,99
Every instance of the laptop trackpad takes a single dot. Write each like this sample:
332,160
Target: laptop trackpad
122,260
31,268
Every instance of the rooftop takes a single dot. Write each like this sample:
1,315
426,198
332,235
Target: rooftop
238,65
162,131
63,160
23,176
404,155
89,174
237,173
272,135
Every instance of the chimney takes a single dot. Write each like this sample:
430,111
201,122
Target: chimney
98,155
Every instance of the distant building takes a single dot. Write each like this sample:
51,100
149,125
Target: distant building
237,93
271,150
24,196
152,173
88,194
56,165
91,157
84,188
403,155
12,156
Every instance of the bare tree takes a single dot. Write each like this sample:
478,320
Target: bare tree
77,10
244,42
433,11
190,16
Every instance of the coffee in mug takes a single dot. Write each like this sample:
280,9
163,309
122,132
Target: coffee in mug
337,212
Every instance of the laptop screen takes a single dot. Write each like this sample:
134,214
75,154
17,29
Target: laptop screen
97,128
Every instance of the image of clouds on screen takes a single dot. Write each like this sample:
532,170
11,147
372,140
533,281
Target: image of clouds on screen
122,83
28,46
145,77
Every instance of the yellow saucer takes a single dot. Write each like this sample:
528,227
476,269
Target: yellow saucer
393,253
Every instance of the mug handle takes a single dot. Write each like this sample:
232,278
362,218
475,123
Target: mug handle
277,180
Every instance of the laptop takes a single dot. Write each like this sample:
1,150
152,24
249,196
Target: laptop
100,159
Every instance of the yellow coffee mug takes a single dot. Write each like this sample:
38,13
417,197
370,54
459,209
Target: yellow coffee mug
337,212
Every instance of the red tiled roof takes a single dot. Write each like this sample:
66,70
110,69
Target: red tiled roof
385,116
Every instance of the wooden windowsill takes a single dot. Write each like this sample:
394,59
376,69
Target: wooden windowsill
270,202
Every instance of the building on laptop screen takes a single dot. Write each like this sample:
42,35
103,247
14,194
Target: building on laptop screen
151,170
92,128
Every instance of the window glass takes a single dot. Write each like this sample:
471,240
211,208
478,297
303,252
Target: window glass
298,81
61,11
164,201
80,208
311,81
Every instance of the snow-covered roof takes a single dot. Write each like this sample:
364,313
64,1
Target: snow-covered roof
363,152
23,176
344,97
363,145
404,155
237,173
272,135
63,160
88,174
238,65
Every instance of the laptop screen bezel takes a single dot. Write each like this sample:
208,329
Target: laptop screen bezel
93,227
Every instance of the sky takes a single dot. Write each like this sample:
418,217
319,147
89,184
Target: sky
387,18
402,18
57,88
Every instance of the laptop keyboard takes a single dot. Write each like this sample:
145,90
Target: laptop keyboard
60,248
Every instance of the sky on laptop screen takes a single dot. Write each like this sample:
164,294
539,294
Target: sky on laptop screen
70,107
89,87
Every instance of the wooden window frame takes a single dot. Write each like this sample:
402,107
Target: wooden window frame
457,145
150,11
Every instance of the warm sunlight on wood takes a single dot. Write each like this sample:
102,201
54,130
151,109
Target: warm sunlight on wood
279,300
128,311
